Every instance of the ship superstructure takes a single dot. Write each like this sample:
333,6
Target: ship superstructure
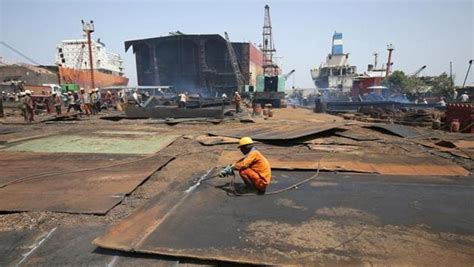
74,54
336,72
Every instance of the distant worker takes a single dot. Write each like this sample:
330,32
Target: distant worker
98,101
108,99
85,102
254,168
71,102
93,101
22,105
424,101
30,108
464,97
237,100
224,96
182,100
57,102
442,102
455,94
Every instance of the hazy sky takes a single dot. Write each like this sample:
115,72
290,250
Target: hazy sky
431,33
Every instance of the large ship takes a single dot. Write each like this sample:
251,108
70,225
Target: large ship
335,73
73,61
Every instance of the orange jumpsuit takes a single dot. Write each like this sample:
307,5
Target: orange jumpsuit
254,168
237,100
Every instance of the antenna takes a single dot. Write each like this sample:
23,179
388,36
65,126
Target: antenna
375,59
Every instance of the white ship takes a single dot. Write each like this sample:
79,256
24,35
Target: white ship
75,54
335,73
74,66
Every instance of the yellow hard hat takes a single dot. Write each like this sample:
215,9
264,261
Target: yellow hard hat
245,141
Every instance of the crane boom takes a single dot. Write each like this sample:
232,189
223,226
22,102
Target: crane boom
467,73
289,74
235,65
19,53
418,71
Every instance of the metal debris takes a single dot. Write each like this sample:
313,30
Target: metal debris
164,112
216,140
358,161
274,132
397,129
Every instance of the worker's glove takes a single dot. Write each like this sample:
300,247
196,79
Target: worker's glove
229,170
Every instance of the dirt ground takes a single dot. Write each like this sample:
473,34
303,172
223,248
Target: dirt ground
191,157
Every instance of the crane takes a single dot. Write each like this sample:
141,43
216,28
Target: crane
289,74
80,59
268,49
390,49
467,73
235,65
418,71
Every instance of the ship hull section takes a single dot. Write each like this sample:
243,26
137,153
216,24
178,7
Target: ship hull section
83,78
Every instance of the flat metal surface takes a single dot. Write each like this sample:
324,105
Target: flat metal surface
173,112
370,162
335,220
15,244
280,131
216,140
7,130
147,144
71,246
55,182
357,136
397,129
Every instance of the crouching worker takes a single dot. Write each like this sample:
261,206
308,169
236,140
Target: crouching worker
254,168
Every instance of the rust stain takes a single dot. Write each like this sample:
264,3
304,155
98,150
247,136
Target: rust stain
72,183
366,163
280,131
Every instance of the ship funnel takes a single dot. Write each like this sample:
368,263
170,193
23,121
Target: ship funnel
337,48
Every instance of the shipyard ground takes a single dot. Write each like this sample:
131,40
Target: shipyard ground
347,216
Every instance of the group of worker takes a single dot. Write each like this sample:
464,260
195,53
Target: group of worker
183,98
89,102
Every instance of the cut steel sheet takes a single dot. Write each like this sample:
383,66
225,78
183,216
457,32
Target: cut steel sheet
164,112
274,132
149,144
357,136
373,162
72,183
216,140
397,129
312,225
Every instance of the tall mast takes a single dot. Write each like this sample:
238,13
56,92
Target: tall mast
88,28
269,67
390,49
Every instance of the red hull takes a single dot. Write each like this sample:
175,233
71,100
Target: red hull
83,78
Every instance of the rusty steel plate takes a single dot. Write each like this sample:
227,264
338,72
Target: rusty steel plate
72,183
281,131
371,162
216,140
336,219
398,130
